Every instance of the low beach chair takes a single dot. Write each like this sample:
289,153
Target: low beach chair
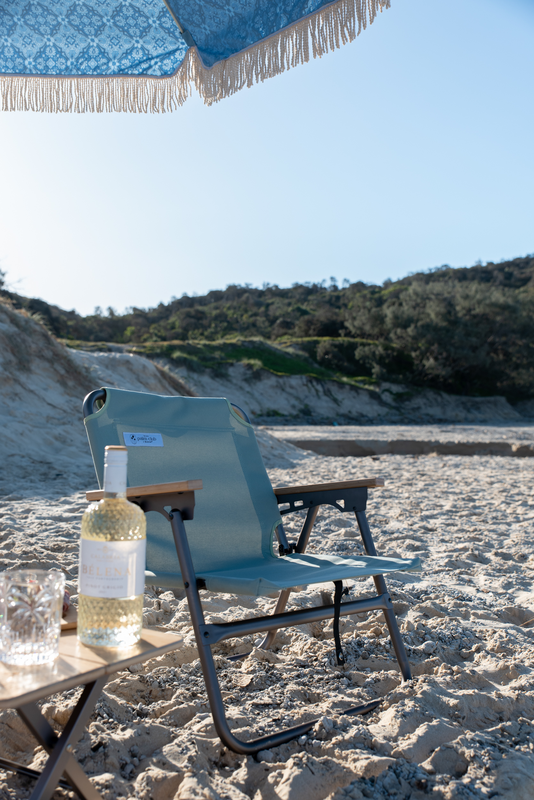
233,540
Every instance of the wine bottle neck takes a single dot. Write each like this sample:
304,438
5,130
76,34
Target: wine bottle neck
115,480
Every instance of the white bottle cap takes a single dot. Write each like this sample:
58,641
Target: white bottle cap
115,469
115,454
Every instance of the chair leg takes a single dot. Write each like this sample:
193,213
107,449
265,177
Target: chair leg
283,597
219,715
208,665
381,587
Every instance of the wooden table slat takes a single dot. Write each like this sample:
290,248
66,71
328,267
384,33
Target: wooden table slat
77,665
370,483
156,488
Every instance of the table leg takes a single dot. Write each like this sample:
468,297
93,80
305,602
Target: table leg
34,774
60,748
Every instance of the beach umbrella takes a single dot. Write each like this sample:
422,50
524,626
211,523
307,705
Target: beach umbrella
147,55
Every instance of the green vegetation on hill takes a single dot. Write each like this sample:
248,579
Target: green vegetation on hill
468,331
287,357
219,355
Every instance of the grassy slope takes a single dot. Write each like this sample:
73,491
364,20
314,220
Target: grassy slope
289,357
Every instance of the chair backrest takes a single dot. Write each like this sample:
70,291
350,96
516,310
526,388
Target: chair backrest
236,512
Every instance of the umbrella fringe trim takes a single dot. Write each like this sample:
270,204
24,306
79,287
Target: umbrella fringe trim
79,94
315,35
328,29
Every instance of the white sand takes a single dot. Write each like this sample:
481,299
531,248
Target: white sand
517,433
461,729
496,439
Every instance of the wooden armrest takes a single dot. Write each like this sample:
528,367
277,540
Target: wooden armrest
370,483
156,488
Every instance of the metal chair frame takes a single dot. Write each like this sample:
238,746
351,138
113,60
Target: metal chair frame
207,635
177,507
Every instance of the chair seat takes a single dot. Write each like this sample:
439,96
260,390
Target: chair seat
267,576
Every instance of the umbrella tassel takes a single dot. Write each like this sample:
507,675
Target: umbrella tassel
328,29
57,94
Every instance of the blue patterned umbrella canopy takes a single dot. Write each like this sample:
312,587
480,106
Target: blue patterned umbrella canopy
146,55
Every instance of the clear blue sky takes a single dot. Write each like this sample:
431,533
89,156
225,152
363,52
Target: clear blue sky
409,148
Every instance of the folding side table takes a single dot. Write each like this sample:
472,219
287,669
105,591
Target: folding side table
76,665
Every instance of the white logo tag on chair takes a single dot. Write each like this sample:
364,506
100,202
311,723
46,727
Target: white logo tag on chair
143,439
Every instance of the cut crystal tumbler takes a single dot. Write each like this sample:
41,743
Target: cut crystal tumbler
31,604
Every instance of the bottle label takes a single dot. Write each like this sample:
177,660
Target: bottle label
112,569
143,439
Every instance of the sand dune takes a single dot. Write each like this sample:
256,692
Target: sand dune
265,396
461,729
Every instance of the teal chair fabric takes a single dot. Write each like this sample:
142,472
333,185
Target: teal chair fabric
236,514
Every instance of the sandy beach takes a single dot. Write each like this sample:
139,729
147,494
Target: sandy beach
462,728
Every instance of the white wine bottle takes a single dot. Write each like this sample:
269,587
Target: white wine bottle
112,562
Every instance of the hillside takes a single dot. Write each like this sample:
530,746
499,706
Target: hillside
467,331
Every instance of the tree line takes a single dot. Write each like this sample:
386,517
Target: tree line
463,330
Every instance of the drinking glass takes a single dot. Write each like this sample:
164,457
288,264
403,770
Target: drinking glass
31,604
